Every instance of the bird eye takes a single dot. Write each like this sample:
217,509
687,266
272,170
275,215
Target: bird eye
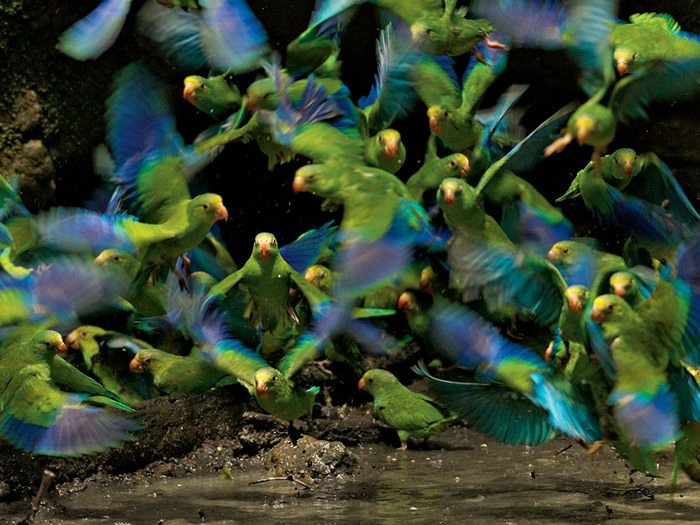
310,178
564,251
370,380
83,333
147,361
46,344
274,379
453,164
205,206
380,139
445,113
116,258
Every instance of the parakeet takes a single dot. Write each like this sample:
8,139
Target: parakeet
216,96
36,416
175,374
411,414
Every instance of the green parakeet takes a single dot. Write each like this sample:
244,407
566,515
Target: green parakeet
36,416
175,374
411,414
216,96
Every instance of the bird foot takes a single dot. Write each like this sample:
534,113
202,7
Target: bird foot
558,145
321,365
597,447
495,44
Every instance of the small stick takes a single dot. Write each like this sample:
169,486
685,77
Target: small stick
46,479
288,478
560,451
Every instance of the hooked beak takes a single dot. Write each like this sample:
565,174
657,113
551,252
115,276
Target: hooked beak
61,348
552,254
220,213
261,387
251,104
299,185
619,289
582,135
627,168
464,168
597,315
574,305
72,340
403,302
265,251
622,67
548,352
449,197
361,384
135,366
391,146
101,259
188,93
434,124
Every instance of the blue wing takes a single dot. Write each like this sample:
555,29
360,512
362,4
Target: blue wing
91,36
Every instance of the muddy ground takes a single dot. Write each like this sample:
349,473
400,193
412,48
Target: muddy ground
51,111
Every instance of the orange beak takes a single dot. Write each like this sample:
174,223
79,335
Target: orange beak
627,169
465,168
548,352
434,124
251,104
261,387
552,255
620,290
188,93
574,305
135,366
622,68
582,135
391,147
72,340
449,197
100,259
265,251
597,316
403,302
220,213
61,348
299,185
361,383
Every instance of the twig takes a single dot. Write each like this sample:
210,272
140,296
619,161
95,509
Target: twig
562,450
288,478
46,479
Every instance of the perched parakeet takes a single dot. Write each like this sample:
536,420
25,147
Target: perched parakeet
411,414
175,374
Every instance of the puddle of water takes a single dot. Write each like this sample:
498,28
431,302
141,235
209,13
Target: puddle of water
475,482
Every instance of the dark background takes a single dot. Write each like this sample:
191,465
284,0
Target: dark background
71,99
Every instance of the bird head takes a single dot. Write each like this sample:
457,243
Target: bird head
577,298
194,85
209,207
406,302
624,58
262,94
621,283
437,115
265,380
50,340
265,245
389,139
585,124
626,158
459,161
607,307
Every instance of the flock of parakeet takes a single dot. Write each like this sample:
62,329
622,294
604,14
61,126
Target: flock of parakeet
558,336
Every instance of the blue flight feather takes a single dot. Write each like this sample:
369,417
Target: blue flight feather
303,252
493,409
569,417
92,35
175,33
78,429
648,421
233,38
79,230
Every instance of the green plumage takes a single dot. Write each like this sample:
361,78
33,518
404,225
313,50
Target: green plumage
413,415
